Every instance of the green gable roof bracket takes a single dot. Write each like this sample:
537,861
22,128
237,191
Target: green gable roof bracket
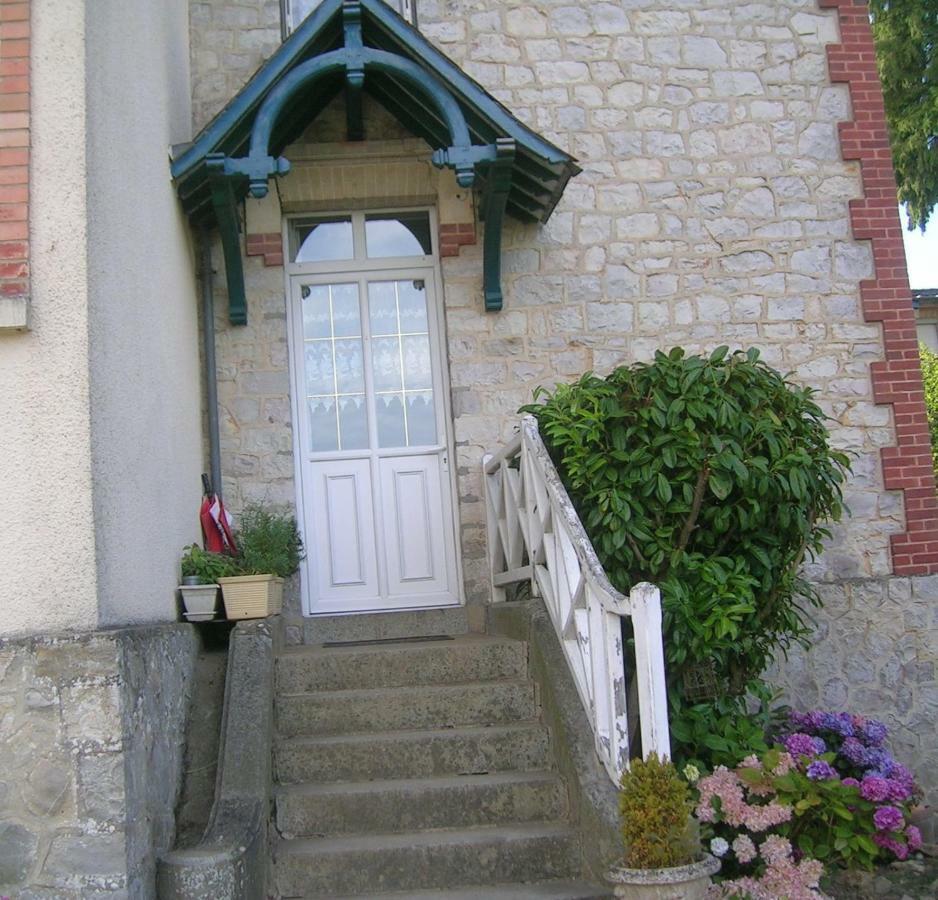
226,214
354,70
498,162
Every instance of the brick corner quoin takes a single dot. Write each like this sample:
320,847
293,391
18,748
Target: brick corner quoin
887,298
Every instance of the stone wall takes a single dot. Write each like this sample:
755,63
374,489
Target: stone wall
91,730
713,208
874,651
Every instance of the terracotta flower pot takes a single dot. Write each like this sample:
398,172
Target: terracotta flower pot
676,883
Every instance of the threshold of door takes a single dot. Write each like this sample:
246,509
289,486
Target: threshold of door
405,640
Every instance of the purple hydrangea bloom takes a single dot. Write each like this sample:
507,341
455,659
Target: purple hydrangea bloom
839,723
900,850
874,788
820,770
898,792
914,837
878,758
888,818
874,733
850,782
853,750
800,744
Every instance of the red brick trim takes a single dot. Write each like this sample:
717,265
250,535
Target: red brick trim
14,148
269,245
887,299
452,237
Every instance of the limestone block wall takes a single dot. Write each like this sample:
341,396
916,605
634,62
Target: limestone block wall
91,730
713,208
228,41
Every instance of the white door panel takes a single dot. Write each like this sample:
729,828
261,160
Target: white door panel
413,525
344,551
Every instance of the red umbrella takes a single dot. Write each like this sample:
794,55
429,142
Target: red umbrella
216,525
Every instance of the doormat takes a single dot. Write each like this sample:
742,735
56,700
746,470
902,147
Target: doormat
406,640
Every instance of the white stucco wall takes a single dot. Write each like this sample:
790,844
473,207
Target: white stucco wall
143,325
47,558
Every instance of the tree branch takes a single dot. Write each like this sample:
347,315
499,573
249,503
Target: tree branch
691,522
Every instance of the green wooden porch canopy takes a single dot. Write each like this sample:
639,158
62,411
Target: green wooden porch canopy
356,46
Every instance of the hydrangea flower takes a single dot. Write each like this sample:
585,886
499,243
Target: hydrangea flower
893,845
914,837
692,773
745,849
719,847
874,788
854,751
874,733
800,744
820,770
888,818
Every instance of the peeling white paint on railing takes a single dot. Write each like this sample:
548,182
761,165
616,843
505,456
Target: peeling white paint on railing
535,534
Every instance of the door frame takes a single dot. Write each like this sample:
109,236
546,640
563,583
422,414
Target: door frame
437,321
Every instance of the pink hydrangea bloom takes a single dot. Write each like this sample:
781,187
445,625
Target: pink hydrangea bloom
734,810
785,764
744,849
913,836
783,877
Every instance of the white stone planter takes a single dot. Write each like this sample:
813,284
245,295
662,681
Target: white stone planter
676,883
252,596
199,600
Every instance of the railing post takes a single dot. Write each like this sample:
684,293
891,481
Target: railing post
492,537
645,601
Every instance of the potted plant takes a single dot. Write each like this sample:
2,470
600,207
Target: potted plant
663,856
269,550
201,570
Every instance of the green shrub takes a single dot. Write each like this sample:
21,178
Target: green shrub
930,378
713,478
658,830
268,543
208,567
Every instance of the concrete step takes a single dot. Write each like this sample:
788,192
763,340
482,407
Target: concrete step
412,754
400,708
466,658
424,860
385,625
461,801
536,890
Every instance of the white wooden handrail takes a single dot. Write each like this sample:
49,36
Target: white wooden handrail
535,534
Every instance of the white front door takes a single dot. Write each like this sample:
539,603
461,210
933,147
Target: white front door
375,485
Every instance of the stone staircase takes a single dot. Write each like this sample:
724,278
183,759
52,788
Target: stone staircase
416,767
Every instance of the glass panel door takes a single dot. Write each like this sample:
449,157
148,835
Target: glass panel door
375,462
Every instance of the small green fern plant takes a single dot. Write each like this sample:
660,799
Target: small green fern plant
658,829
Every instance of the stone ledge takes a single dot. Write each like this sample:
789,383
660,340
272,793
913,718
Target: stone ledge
231,860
